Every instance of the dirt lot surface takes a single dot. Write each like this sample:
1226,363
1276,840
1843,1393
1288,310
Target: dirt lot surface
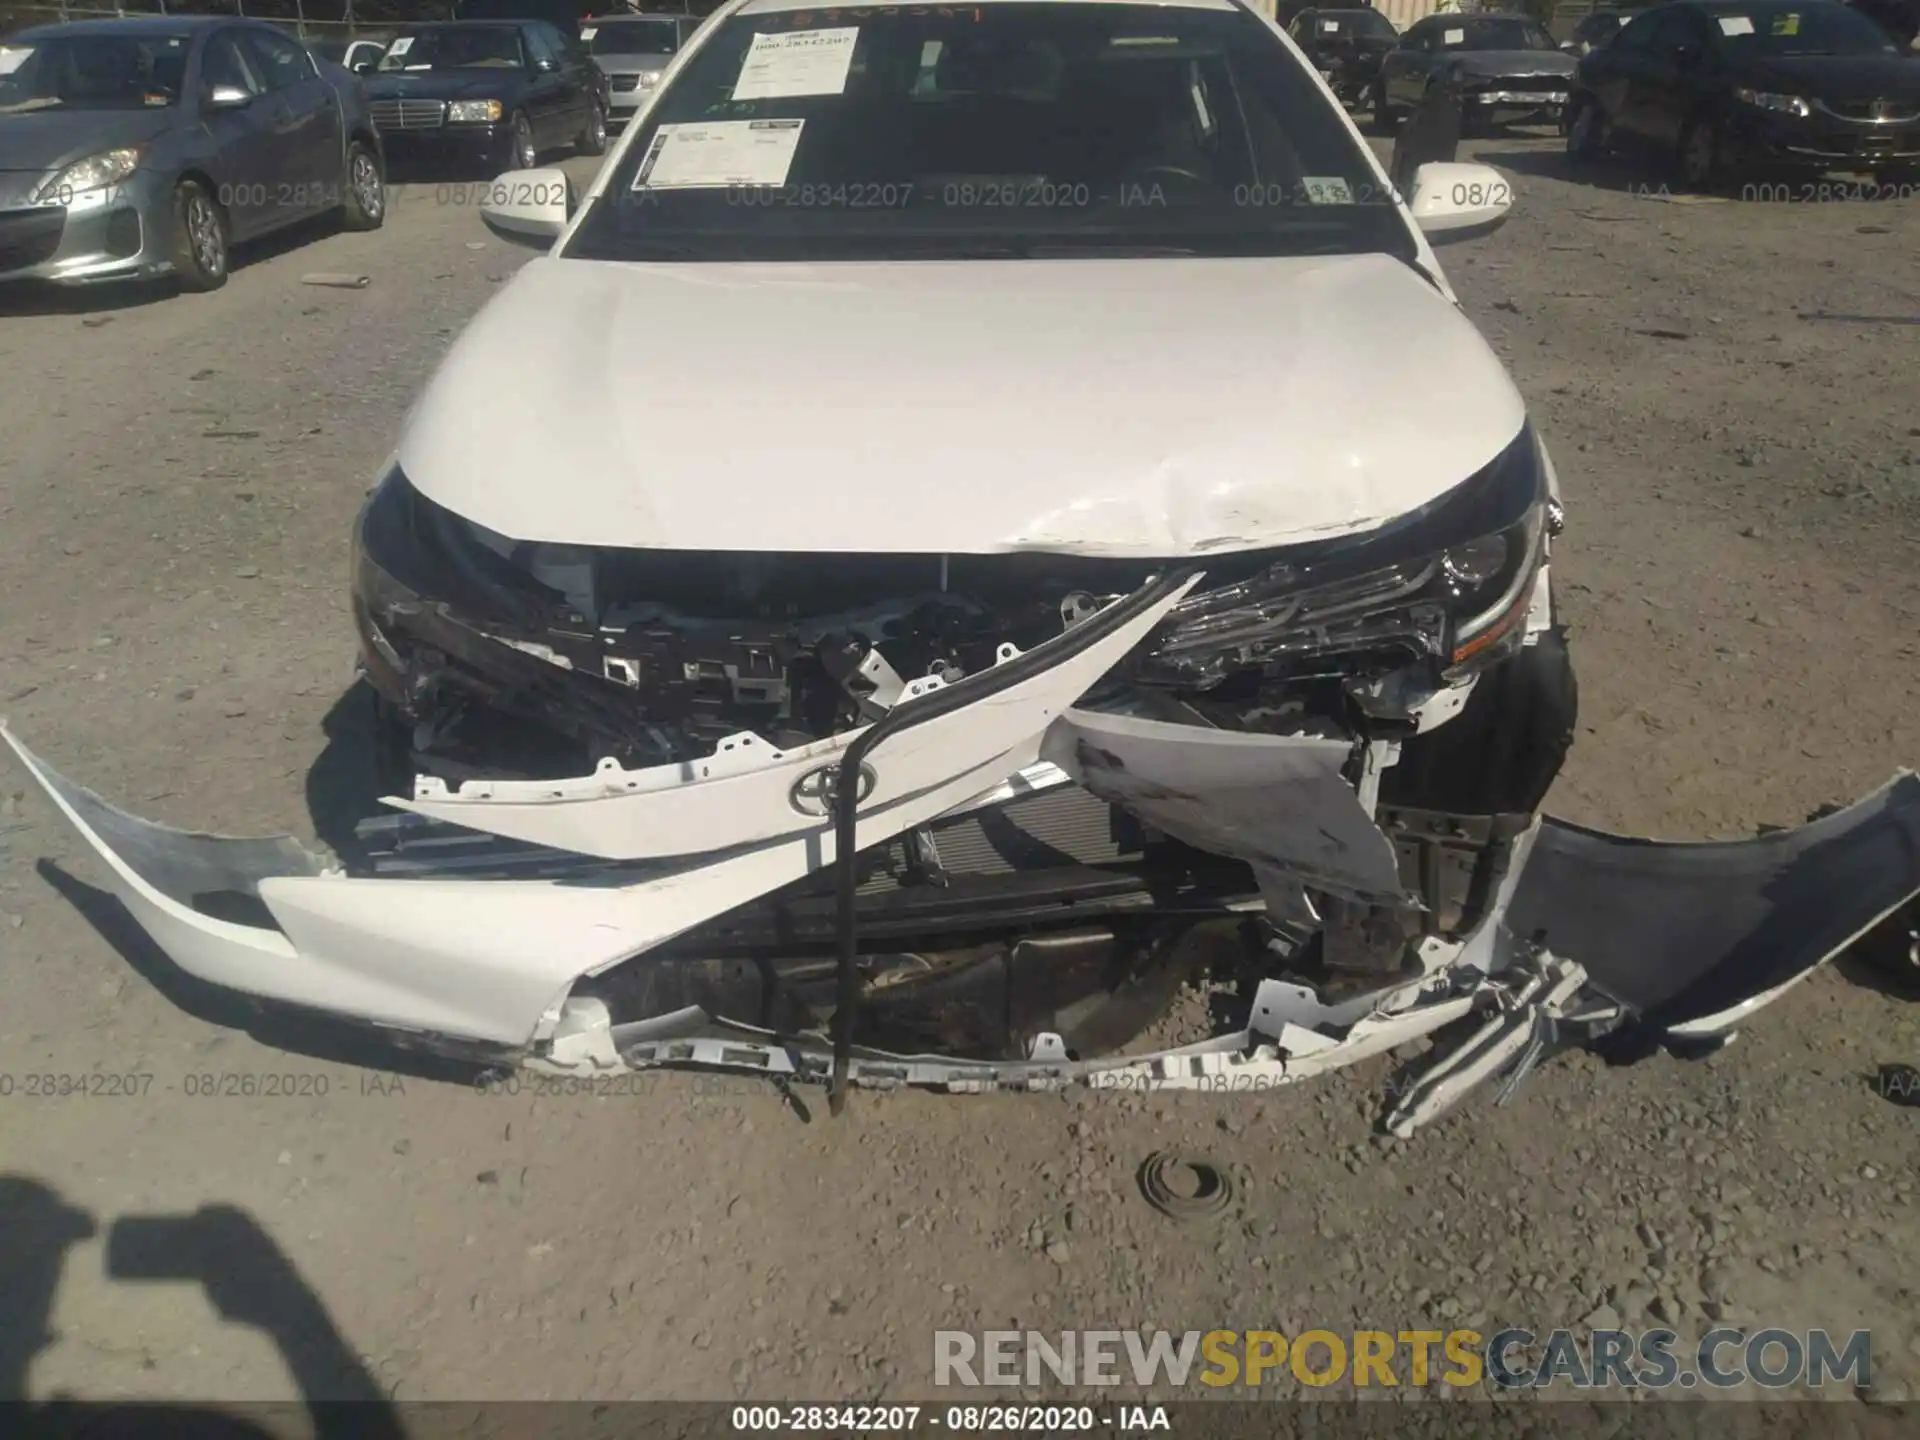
1743,486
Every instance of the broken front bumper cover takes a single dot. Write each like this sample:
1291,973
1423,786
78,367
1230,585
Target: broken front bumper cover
516,957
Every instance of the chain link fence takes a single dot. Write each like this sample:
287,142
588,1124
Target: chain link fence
310,19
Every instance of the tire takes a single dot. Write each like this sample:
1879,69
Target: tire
593,140
365,205
1701,161
1383,117
200,255
1587,134
521,153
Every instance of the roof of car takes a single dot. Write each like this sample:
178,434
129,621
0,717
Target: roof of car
774,7
131,25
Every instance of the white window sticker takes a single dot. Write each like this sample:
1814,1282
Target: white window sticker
1453,37
1329,27
719,152
12,60
1735,25
587,32
797,62
401,46
1326,190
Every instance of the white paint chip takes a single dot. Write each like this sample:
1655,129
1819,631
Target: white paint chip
797,62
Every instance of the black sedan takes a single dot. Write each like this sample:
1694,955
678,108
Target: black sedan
1505,68
491,95
1345,46
1726,88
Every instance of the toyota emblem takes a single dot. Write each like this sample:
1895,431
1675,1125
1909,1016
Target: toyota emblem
813,792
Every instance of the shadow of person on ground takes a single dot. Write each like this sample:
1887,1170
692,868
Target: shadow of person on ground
248,1280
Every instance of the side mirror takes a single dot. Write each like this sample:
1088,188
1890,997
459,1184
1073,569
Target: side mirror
1453,200
1686,56
543,67
529,207
228,97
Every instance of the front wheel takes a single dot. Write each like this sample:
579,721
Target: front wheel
521,151
199,238
593,140
365,205
1703,157
1587,133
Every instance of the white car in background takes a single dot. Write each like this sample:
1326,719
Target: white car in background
973,539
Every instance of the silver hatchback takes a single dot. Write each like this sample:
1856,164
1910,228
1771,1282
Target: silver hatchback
139,148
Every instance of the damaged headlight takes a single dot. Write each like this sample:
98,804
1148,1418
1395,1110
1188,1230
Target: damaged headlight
1450,584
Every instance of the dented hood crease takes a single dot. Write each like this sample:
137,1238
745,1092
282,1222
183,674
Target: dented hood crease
1135,408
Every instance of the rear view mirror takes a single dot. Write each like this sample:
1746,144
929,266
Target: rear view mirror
1457,201
529,207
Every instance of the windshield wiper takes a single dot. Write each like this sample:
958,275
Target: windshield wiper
1120,250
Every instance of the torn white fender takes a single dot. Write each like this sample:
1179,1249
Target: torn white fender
747,792
491,959
1278,802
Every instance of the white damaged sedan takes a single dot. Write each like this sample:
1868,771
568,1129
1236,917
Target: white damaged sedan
998,513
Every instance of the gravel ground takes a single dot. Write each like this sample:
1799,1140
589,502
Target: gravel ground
1739,575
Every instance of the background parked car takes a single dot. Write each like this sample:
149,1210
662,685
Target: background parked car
490,95
138,148
632,50
1725,88
1346,45
1507,68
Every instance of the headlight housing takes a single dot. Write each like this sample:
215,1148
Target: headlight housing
96,172
1449,586
1780,104
473,112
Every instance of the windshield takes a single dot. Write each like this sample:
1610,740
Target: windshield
93,72
456,47
1346,24
1498,32
1030,130
1789,29
634,37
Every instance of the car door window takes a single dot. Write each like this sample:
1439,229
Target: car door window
282,64
226,67
544,52
1419,39
1637,35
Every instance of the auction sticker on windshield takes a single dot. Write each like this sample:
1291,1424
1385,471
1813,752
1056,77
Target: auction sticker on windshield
1735,25
1453,37
401,46
1326,190
12,60
719,152
797,62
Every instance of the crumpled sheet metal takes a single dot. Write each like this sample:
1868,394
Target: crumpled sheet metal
1693,936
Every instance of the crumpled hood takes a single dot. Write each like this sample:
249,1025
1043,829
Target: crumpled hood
1516,62
36,141
473,84
1138,408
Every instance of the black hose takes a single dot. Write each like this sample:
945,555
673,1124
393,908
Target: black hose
944,701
